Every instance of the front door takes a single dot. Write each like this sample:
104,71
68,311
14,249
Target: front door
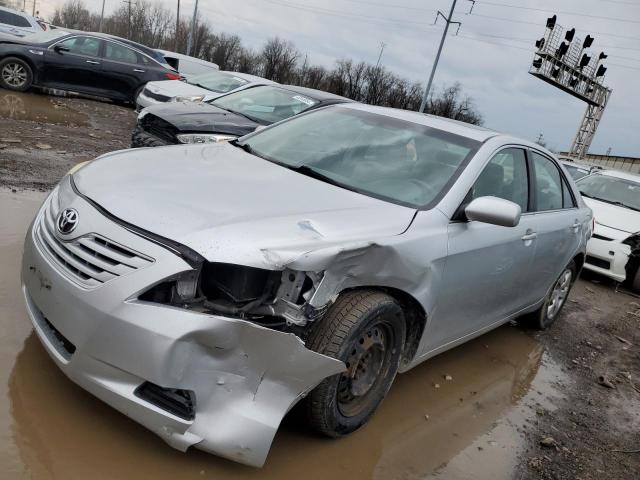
73,64
558,226
487,266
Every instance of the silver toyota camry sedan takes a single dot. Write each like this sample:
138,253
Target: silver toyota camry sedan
205,290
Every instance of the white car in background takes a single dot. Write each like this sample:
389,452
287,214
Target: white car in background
614,248
186,65
19,24
200,88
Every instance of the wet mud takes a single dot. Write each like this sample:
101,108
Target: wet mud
459,415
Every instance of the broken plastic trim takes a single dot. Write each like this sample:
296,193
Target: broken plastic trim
275,299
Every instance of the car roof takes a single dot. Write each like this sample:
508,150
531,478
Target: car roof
574,164
184,57
319,95
453,126
619,174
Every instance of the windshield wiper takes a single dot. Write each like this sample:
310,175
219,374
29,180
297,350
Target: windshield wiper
313,173
612,202
244,146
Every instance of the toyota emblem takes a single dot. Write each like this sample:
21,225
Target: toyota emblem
67,221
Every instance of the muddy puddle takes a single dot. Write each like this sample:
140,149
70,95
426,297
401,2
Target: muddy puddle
38,108
469,427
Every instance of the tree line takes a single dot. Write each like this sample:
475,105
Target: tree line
154,25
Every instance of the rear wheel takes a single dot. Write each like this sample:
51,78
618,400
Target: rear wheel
15,74
366,330
555,300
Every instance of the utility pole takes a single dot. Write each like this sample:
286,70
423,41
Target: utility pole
129,4
193,27
33,14
382,45
177,26
539,138
435,63
101,16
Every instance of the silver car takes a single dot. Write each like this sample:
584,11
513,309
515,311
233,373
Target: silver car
204,290
19,24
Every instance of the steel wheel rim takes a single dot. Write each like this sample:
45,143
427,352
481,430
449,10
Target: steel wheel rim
14,74
559,293
367,363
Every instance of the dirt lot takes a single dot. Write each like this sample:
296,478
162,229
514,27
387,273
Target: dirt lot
520,404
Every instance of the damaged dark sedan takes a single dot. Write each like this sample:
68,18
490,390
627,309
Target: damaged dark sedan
227,117
204,290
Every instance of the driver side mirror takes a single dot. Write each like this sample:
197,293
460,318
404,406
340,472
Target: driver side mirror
493,210
60,49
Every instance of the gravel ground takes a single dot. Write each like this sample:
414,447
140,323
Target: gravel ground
594,430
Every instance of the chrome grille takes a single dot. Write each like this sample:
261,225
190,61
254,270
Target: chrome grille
90,260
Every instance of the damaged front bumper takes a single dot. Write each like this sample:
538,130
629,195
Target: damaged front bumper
237,379
607,254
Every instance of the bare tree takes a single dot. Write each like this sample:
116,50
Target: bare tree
280,58
452,104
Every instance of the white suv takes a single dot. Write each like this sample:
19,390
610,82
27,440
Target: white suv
19,24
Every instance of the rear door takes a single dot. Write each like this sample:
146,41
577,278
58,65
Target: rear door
123,70
558,225
73,64
487,266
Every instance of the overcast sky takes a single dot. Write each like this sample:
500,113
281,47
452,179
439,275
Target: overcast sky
491,68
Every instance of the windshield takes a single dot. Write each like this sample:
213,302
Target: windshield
266,104
618,191
373,154
576,172
218,82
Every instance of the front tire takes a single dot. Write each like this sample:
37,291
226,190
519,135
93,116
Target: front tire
15,74
547,314
366,330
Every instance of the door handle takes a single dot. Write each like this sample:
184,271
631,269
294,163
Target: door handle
575,226
138,70
93,62
529,236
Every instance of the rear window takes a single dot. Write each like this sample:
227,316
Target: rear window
12,19
218,82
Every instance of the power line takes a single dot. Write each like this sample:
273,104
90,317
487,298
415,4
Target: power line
389,5
577,14
537,24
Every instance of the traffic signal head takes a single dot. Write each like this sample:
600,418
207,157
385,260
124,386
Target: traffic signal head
551,22
540,43
555,72
601,71
602,56
537,62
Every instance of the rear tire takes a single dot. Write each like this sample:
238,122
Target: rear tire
15,74
366,330
548,313
635,284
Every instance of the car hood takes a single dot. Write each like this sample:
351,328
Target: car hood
234,207
613,216
177,88
202,117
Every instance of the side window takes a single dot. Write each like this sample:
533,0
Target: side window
120,53
548,183
567,199
82,46
505,176
13,19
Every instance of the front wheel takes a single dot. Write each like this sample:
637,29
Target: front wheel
555,300
366,330
15,74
